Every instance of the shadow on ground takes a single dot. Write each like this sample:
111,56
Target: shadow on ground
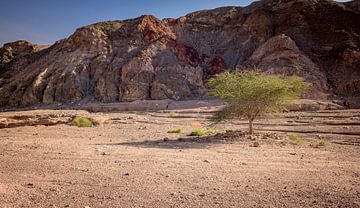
183,143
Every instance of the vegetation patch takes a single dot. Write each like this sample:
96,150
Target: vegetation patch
295,138
322,143
175,131
173,115
198,133
80,121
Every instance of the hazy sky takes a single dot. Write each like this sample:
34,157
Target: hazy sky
45,21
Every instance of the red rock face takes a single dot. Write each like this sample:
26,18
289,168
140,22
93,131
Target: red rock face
153,30
184,53
216,66
148,58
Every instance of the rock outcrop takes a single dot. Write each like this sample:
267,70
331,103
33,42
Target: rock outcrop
148,59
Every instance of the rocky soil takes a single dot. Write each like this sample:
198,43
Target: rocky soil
147,58
303,159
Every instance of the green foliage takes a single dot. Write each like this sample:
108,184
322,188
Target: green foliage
173,114
295,138
197,133
210,132
322,143
81,122
176,131
250,94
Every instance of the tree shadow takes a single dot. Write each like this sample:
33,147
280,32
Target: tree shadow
183,143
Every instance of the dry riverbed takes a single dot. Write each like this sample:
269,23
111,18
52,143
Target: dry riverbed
130,160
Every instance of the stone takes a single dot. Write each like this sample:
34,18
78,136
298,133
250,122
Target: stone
255,144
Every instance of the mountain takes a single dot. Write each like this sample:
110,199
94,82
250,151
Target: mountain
148,58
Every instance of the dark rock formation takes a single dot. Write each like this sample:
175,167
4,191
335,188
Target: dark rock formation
148,58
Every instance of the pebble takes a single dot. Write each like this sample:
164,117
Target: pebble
251,137
53,189
206,161
256,144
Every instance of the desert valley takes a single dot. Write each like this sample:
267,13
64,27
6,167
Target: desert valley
119,114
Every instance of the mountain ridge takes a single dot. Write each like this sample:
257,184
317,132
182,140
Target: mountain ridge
149,58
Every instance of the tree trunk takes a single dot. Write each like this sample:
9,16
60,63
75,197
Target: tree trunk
251,131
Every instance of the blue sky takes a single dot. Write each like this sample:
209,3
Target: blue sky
45,21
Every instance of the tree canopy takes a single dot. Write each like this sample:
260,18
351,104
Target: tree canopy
250,94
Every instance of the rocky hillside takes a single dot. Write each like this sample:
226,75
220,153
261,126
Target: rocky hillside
148,58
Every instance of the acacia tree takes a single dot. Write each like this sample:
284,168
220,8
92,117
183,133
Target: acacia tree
250,94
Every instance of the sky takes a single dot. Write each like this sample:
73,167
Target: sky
46,21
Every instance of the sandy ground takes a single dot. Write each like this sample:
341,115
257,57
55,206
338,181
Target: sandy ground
125,162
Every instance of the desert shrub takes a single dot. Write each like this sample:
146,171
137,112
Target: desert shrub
295,138
210,131
198,132
139,112
173,114
322,143
80,121
251,94
175,131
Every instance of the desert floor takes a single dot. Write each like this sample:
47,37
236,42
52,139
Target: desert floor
130,160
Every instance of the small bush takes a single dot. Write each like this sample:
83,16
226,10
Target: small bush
295,138
210,132
180,139
176,131
197,133
81,122
173,114
322,143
